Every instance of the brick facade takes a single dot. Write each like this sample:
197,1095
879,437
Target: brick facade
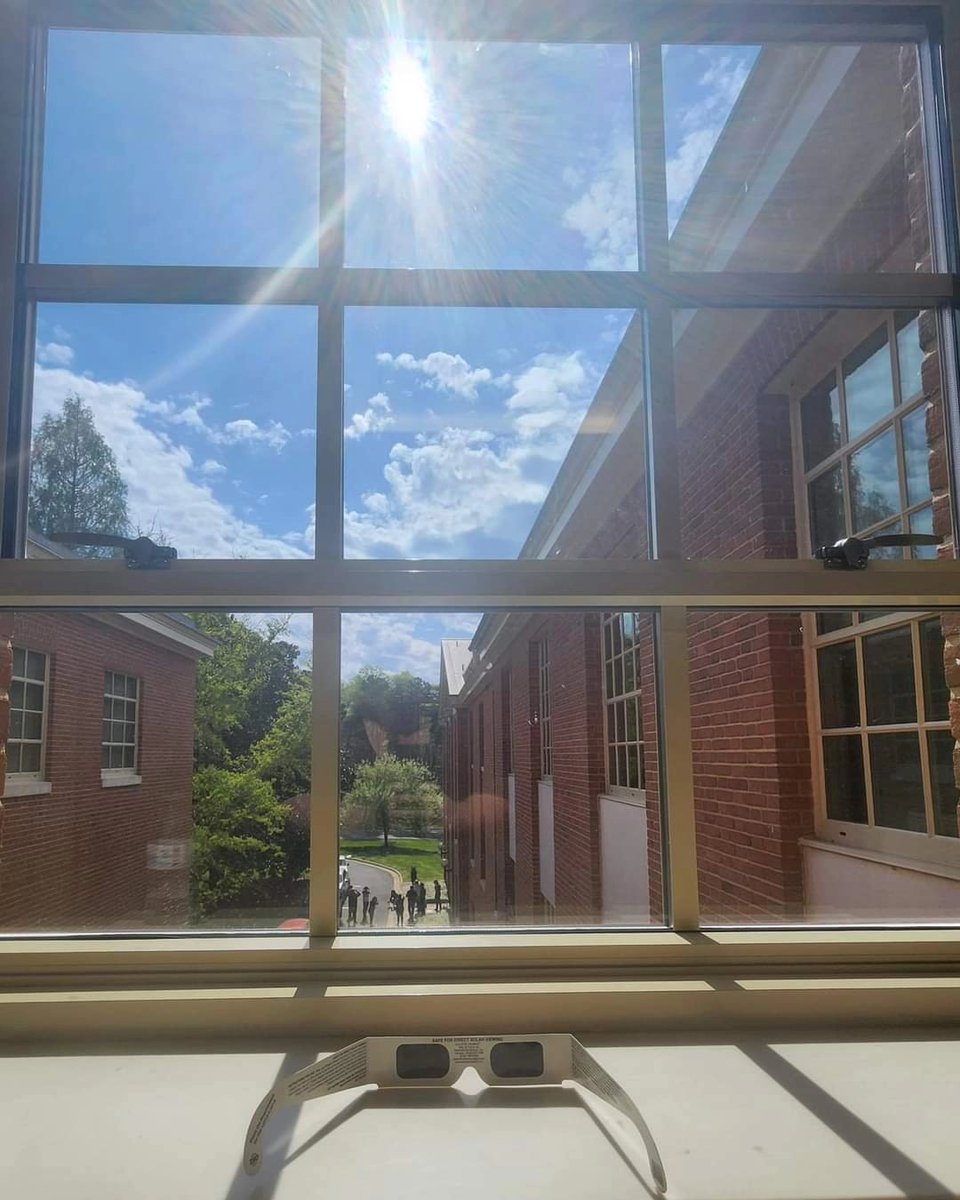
84,855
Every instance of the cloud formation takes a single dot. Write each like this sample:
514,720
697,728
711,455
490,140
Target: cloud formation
605,215
55,354
445,372
375,418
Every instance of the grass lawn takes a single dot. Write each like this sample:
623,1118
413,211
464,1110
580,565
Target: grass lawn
404,853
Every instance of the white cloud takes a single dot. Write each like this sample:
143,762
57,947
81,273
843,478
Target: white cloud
211,467
399,641
445,372
605,215
374,419
274,434
157,471
55,354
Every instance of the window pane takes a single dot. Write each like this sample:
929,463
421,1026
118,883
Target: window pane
833,622
468,432
922,522
874,482
910,355
197,423
820,421
844,786
142,130
897,781
888,677
791,157
916,451
936,694
839,690
942,745
203,824
827,521
19,661
418,794
868,384
36,666
490,155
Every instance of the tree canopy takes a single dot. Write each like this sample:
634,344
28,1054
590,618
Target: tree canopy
74,480
391,792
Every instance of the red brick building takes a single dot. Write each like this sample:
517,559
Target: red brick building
95,814
824,745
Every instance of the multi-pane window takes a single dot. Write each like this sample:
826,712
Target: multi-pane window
865,445
543,691
622,696
121,695
28,707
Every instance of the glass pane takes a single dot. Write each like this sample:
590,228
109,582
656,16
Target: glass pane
897,781
36,666
195,424
874,482
916,452
142,129
936,694
910,355
16,695
33,726
868,383
19,661
839,689
13,759
942,745
33,697
214,833
421,799
844,785
478,155
827,521
888,677
468,432
791,157
820,422
16,724
833,622
922,522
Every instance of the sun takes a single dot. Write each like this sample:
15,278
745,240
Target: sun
406,98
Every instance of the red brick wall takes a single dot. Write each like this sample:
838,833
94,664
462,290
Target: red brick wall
77,857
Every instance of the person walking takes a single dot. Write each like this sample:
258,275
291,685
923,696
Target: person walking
396,903
366,904
353,895
412,901
437,902
344,890
413,874
422,898
374,901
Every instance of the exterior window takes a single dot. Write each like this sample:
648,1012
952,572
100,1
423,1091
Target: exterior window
543,680
481,797
884,733
121,698
28,713
622,700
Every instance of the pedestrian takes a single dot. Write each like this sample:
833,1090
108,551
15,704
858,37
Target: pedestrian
353,895
437,902
412,897
374,901
366,904
344,889
413,874
422,898
398,907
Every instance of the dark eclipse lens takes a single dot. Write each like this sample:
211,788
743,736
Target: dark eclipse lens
422,1060
517,1060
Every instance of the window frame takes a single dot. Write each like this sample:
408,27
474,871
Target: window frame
328,584
544,725
32,782
111,776
612,788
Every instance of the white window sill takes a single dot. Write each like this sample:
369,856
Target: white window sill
111,779
942,870
25,787
633,796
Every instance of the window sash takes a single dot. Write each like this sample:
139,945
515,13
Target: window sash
44,683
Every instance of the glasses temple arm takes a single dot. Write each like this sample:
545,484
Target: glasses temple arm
589,1074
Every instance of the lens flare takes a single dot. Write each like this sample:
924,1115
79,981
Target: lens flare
406,99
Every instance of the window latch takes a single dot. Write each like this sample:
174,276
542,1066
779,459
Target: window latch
853,553
140,553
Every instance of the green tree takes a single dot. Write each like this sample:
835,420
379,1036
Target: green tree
282,756
239,826
241,687
74,480
394,791
378,709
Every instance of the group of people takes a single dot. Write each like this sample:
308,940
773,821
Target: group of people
362,902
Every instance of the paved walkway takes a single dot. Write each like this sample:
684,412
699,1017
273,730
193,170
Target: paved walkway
380,880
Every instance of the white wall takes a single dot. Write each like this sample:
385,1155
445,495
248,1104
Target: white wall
512,816
547,865
841,886
623,861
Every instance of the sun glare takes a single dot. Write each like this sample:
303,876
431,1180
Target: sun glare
406,98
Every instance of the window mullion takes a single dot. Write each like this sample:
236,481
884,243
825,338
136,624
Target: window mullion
324,772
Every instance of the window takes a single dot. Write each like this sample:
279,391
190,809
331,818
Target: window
26,743
121,700
622,668
543,710
668,339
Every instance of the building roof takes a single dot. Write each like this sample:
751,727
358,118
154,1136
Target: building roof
454,659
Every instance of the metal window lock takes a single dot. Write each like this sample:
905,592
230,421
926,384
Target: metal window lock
853,553
140,553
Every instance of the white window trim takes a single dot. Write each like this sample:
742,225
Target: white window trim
126,773
25,785
119,777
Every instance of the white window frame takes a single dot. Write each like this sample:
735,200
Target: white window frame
122,776
329,584
32,783
614,788
544,719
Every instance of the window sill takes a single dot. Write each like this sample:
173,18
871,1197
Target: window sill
110,779
25,787
626,796
922,866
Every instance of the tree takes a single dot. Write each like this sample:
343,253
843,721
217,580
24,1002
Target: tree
393,791
378,711
74,480
239,827
282,756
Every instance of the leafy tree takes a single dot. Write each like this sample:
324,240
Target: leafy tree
394,791
282,756
379,709
74,480
241,687
239,826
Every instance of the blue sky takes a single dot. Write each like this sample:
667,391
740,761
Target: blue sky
204,151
